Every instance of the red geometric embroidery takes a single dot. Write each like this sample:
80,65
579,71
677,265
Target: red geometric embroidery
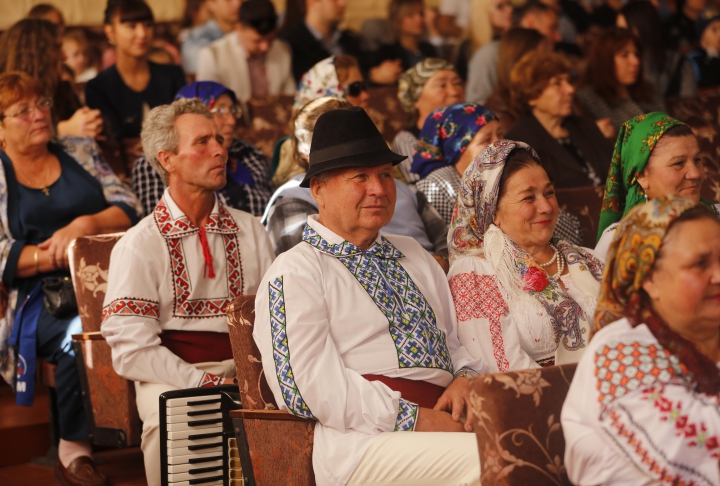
208,379
173,231
132,306
478,296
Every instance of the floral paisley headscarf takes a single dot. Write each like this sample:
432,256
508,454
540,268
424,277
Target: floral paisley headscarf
636,140
446,134
320,80
521,280
631,258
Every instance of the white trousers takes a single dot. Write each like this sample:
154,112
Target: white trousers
147,395
420,459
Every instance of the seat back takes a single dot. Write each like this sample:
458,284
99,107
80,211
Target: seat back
89,262
254,390
585,204
517,425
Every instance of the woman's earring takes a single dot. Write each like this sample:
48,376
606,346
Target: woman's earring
111,42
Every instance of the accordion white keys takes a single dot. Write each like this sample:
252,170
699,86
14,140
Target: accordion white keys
197,440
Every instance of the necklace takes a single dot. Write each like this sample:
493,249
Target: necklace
560,265
45,189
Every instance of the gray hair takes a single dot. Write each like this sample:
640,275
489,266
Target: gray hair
159,131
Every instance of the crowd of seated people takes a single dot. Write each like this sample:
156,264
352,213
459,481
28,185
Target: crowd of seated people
447,237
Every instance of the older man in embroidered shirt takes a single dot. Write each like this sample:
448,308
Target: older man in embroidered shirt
358,330
172,276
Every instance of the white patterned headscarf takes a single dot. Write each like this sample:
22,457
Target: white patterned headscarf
522,282
321,80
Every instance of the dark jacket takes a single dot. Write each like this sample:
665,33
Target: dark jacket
562,168
388,52
308,51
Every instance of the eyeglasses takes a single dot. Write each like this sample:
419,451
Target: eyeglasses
43,104
234,110
354,89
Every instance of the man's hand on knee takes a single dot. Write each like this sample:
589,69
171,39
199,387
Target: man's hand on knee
455,401
431,420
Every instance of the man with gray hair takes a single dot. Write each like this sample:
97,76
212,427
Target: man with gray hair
172,276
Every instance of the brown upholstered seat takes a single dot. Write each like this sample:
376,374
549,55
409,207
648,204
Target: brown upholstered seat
584,203
109,399
518,428
275,446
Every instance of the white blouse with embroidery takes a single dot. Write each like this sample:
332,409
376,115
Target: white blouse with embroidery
158,281
516,339
328,313
632,416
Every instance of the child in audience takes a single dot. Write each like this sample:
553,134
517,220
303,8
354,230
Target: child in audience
706,58
75,52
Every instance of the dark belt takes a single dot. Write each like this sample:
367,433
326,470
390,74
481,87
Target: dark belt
423,393
198,346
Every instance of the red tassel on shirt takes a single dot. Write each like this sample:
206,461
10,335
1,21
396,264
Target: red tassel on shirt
206,253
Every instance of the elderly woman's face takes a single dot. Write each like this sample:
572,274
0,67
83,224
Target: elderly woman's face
25,124
356,200
684,286
557,98
527,210
224,118
675,167
444,88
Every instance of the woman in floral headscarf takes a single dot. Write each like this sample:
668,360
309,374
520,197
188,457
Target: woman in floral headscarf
643,407
654,155
523,298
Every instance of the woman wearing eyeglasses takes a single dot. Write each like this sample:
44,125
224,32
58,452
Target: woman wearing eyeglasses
248,185
50,194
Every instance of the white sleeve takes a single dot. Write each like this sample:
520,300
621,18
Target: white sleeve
264,252
206,66
485,325
302,364
603,244
131,323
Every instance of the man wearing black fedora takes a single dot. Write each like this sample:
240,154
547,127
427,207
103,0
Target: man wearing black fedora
358,330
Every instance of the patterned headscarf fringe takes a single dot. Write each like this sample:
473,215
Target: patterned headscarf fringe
631,258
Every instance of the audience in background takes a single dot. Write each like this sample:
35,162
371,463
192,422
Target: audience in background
33,47
248,186
682,26
605,14
51,194
513,46
126,91
614,85
573,150
77,57
425,87
489,19
50,13
667,69
407,22
706,58
454,16
223,21
291,204
511,283
196,14
337,76
249,60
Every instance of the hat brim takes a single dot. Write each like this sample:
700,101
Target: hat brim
367,159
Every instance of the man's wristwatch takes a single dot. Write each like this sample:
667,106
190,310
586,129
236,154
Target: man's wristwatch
466,373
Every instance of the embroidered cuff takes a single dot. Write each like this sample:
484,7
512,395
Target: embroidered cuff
407,415
208,379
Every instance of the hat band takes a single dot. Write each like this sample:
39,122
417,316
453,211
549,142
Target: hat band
350,148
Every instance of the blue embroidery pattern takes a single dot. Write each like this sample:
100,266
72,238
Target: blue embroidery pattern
407,414
281,352
413,324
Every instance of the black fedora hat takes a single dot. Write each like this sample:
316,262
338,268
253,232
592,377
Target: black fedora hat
347,138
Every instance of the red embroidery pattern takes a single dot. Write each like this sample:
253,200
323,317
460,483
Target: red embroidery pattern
695,433
625,367
208,379
131,306
646,461
173,231
478,296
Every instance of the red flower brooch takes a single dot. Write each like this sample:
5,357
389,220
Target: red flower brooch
535,280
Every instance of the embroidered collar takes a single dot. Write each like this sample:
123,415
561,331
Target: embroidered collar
381,248
220,221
